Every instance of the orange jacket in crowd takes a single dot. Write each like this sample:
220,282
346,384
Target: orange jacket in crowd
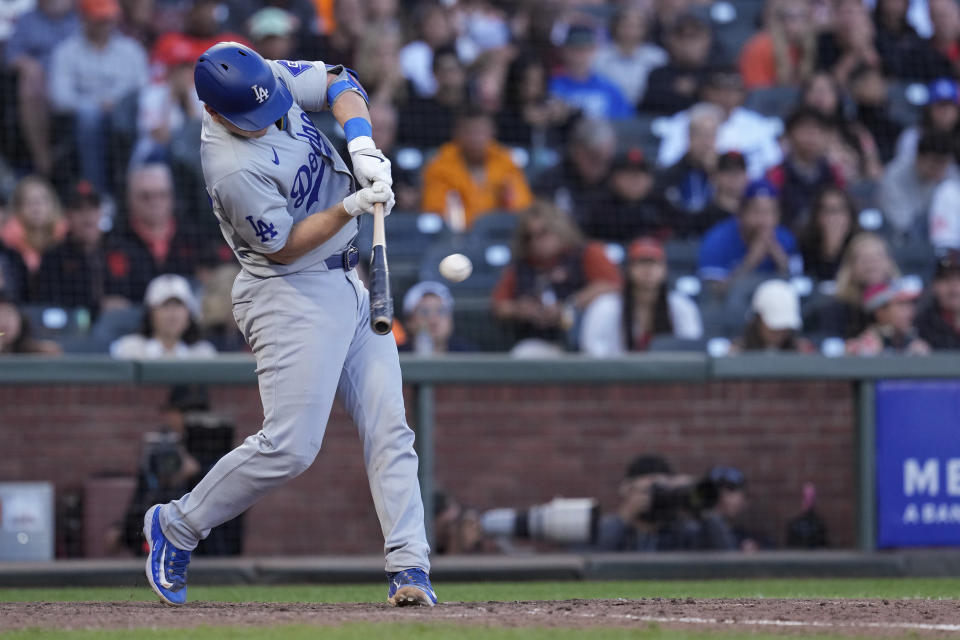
505,187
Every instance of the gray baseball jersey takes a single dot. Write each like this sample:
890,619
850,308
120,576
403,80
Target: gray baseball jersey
309,330
261,187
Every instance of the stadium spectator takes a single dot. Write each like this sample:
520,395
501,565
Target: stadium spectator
428,122
827,233
173,458
907,189
28,52
435,30
634,207
676,85
530,116
406,178
473,174
553,277
428,314
654,512
945,39
377,62
201,30
73,274
580,86
866,263
153,241
753,242
628,320
142,21
166,468
169,328
940,115
274,33
457,528
903,52
849,43
90,72
216,321
805,168
784,53
13,275
686,184
165,108
36,224
938,324
727,183
15,334
10,12
628,59
485,25
868,88
579,183
851,148
892,329
754,135
943,218
337,43
724,494
775,321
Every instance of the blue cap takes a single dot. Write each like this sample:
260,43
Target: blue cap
236,82
762,188
942,90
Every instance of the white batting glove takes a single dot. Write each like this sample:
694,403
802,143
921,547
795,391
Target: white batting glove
369,163
362,201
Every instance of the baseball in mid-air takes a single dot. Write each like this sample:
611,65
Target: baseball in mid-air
456,267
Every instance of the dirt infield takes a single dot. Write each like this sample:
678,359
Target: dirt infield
870,618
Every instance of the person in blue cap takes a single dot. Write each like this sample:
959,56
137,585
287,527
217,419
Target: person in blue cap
751,242
940,115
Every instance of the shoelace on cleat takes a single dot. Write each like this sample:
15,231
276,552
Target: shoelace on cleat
177,566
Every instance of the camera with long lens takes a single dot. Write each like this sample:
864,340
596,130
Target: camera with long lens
668,500
562,520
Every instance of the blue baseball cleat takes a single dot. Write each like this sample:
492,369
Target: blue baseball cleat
410,587
166,565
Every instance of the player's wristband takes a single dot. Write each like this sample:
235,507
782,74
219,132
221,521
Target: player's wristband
357,128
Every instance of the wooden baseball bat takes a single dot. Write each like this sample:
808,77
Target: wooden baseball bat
381,302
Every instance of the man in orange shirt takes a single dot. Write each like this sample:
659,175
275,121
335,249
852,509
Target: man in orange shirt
473,174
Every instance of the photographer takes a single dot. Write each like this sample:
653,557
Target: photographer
166,469
724,495
655,512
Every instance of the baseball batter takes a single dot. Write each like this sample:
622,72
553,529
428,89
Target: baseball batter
287,207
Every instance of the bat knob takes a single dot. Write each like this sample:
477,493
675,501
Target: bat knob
382,326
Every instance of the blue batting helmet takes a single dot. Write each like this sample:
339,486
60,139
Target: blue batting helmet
236,82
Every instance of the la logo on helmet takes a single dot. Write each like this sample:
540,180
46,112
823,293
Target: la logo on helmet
260,93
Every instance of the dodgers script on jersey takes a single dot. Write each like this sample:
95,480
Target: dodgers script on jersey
261,187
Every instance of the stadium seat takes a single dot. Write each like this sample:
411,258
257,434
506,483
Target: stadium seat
53,322
904,100
773,101
682,257
492,228
488,263
915,257
638,132
115,323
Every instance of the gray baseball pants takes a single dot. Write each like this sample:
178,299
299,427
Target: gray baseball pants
311,337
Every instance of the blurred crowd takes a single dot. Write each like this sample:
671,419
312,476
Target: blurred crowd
632,175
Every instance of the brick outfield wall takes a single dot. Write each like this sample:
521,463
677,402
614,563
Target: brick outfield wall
496,446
